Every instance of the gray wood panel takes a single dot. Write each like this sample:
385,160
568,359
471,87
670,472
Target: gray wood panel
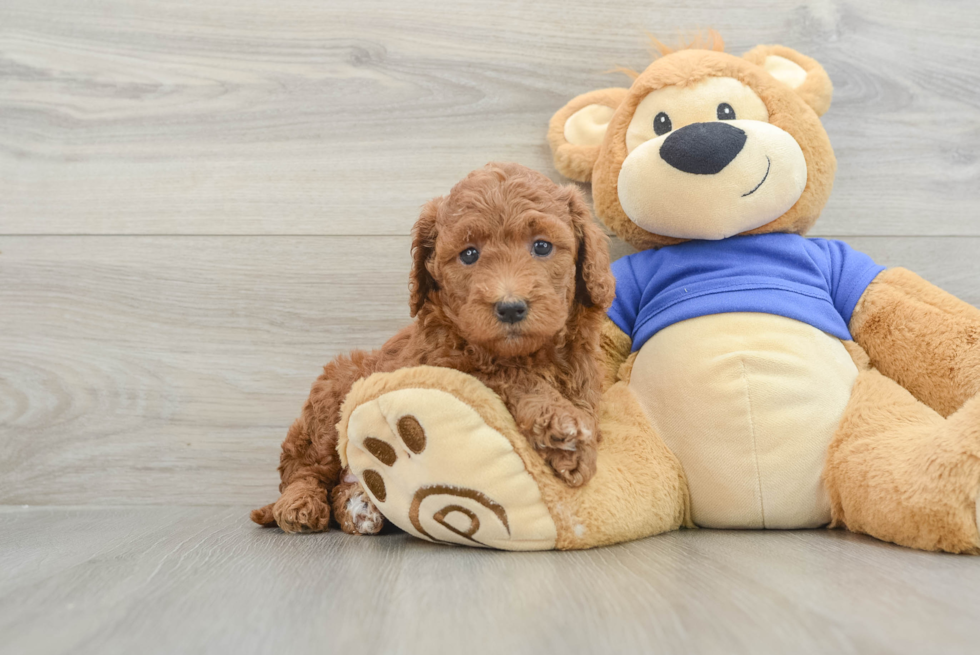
202,202
305,117
204,580
166,369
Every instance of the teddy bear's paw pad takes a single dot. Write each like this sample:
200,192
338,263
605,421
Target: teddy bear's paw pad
435,469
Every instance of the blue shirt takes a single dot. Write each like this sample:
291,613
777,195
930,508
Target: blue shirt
816,281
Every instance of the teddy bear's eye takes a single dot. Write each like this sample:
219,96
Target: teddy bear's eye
469,256
725,112
661,124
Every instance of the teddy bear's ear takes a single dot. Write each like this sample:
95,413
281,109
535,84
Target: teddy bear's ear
576,131
801,73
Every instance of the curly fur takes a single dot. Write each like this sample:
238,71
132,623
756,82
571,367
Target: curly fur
544,368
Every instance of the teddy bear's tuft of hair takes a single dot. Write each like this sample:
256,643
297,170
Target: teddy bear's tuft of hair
710,40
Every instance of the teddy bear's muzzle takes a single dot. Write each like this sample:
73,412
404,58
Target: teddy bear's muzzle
703,148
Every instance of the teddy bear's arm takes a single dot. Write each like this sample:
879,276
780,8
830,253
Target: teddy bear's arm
615,346
922,337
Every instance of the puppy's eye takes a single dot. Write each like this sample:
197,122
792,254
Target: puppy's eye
469,256
661,124
542,248
725,112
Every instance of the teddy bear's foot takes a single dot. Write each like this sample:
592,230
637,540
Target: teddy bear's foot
897,470
442,458
434,468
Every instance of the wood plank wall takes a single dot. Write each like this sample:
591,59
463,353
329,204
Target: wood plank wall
203,201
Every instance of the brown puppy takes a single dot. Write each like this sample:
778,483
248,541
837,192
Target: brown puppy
510,283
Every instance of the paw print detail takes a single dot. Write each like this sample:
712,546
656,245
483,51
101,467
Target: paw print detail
440,516
412,434
375,484
381,451
435,469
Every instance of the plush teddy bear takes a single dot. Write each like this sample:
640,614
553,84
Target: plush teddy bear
755,378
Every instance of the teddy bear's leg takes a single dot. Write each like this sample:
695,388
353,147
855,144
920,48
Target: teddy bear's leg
897,470
639,488
441,457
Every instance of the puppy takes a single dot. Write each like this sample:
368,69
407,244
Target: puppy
510,281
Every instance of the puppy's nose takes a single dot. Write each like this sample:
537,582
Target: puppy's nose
703,148
511,311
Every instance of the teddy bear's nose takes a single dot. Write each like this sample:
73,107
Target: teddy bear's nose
703,148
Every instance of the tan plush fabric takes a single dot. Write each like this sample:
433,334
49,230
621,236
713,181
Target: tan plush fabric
445,474
661,199
787,111
576,160
748,403
615,346
903,462
791,110
922,337
789,73
465,387
764,181
587,126
899,471
638,490
694,103
895,469
816,89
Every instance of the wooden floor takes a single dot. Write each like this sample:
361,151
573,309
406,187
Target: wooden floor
203,201
201,580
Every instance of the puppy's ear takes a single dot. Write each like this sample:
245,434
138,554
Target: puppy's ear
595,285
421,282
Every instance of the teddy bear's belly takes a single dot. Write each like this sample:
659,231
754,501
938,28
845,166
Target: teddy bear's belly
748,403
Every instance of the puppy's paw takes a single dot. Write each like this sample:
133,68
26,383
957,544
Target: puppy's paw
566,438
301,510
354,511
574,468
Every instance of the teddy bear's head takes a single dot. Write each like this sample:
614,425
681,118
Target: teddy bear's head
703,145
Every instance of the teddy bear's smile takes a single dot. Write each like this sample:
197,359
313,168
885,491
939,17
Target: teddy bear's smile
713,179
764,178
704,161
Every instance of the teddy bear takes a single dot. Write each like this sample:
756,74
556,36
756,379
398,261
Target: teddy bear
754,377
